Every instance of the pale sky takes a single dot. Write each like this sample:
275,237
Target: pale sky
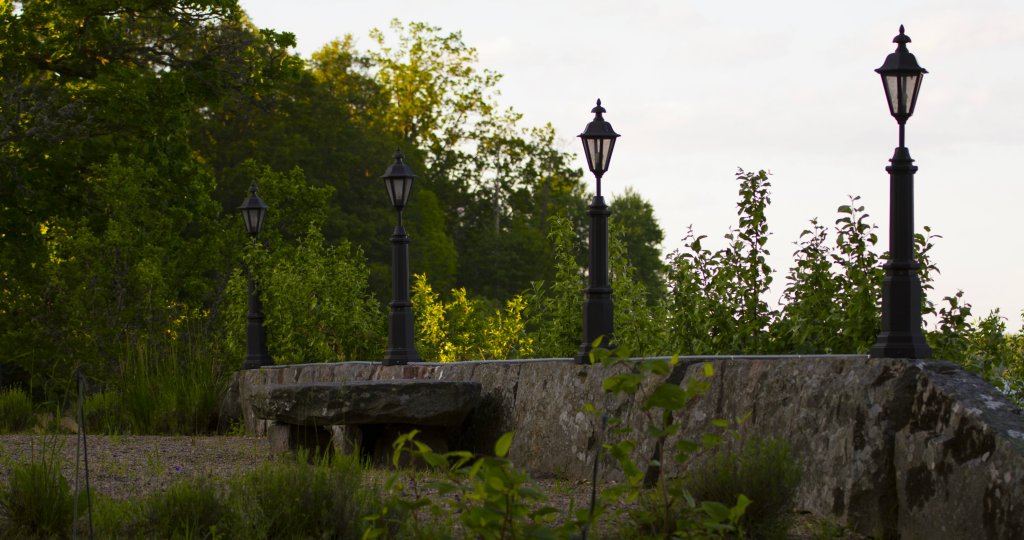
699,88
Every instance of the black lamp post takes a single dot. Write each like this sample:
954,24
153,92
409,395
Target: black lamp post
901,335
401,347
598,143
254,212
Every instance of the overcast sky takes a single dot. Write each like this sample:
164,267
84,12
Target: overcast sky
698,89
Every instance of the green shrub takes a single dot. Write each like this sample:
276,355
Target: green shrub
191,508
483,497
36,502
287,499
15,411
764,471
332,497
102,412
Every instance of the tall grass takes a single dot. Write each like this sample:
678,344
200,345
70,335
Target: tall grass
36,502
172,389
15,410
289,499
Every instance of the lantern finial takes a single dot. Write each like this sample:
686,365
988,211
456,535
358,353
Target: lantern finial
902,39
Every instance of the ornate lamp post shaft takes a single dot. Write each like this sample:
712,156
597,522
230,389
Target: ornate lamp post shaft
401,344
901,335
257,354
598,312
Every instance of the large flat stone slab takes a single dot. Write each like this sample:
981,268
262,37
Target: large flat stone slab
405,401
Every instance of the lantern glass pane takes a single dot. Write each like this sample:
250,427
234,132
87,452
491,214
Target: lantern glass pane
253,219
593,154
892,93
913,86
606,152
390,184
247,220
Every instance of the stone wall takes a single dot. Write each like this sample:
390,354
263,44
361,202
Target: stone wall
888,447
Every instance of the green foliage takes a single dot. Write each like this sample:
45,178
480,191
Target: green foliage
460,330
16,411
190,508
288,499
762,470
316,300
638,325
982,347
554,311
491,498
641,236
831,296
36,501
716,300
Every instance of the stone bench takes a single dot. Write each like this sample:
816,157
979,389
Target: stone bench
363,416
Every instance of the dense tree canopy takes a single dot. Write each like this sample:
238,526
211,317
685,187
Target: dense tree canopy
130,129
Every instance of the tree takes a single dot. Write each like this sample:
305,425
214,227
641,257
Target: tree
641,236
113,232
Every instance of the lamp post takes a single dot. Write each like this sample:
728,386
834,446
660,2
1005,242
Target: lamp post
901,335
598,144
401,346
254,212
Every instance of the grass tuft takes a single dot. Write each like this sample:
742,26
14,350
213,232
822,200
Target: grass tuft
15,411
764,471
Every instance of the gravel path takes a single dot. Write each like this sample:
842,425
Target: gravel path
123,467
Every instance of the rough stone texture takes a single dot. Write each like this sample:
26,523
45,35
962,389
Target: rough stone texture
407,401
888,447
959,457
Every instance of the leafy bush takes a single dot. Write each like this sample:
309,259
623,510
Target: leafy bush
459,329
716,299
553,311
490,497
659,505
16,412
316,299
764,471
190,508
36,502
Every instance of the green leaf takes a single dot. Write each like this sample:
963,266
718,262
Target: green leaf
717,511
709,370
736,512
504,443
668,397
624,383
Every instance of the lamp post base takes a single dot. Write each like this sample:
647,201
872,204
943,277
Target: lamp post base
901,335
